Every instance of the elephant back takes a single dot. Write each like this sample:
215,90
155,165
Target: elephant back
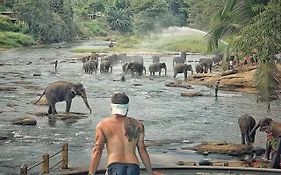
155,59
217,58
177,60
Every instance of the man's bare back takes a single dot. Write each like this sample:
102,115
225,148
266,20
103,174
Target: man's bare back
121,136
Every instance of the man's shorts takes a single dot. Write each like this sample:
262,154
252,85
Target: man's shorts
123,169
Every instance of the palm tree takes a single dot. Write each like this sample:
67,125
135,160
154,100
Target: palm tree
229,20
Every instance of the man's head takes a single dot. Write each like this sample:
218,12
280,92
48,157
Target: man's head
119,103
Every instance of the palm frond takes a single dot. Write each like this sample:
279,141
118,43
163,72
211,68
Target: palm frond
267,81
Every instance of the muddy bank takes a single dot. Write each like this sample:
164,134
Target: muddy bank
236,80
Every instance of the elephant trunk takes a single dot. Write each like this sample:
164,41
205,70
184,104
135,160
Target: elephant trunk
84,96
165,70
253,131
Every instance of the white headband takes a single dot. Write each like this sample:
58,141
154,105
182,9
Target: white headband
120,109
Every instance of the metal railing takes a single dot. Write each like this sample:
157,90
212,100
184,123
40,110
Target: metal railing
46,162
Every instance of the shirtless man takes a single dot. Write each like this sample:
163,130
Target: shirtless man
122,135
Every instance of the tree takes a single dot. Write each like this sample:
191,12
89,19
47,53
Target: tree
252,25
119,17
48,21
264,36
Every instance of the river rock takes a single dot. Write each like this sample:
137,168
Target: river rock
8,88
191,94
220,147
42,101
229,72
24,121
177,84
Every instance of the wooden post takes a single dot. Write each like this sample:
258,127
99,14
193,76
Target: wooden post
45,164
23,170
64,156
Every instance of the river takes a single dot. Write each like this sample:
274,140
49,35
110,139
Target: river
170,119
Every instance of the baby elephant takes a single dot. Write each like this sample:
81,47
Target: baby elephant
246,124
63,91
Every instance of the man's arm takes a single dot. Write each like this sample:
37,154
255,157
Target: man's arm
143,152
97,150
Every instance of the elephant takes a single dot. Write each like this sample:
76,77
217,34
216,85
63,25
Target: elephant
105,65
217,58
135,67
246,124
124,67
63,91
207,64
90,66
155,59
181,59
199,68
182,68
156,67
273,130
135,58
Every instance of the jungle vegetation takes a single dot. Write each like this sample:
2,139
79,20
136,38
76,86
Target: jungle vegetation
252,26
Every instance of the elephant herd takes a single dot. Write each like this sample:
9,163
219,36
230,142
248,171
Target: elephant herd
135,64
248,127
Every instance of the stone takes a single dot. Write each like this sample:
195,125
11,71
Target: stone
42,101
191,94
24,121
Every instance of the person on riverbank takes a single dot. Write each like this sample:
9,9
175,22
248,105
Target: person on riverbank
121,135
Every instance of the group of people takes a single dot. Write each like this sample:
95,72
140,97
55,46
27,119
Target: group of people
122,135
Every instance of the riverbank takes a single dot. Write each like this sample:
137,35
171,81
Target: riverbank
239,80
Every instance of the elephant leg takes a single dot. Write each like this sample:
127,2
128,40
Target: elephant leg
68,105
243,138
160,73
185,76
248,139
175,74
54,111
50,110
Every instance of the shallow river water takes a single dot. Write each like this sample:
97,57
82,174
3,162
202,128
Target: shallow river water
172,122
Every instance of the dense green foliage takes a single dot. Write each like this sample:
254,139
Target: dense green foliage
48,21
12,39
253,26
12,34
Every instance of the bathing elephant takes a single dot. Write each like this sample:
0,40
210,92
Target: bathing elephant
155,59
64,91
274,130
217,58
135,67
199,68
134,58
182,68
181,59
207,64
105,65
91,66
157,67
246,124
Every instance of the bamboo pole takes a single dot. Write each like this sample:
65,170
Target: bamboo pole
23,170
45,165
64,156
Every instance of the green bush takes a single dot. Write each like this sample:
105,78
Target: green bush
6,26
96,28
11,39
